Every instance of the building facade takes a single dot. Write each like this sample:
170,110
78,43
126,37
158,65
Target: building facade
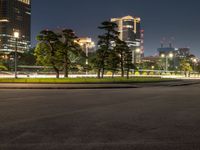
15,16
183,52
129,29
177,54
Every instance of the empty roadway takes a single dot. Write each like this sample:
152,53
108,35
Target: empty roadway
146,118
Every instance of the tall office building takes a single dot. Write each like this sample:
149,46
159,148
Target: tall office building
15,16
130,31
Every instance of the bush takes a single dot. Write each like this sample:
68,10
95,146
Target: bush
151,73
137,73
144,73
109,73
3,68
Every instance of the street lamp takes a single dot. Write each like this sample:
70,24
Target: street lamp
16,36
136,54
138,50
86,44
194,60
163,55
171,55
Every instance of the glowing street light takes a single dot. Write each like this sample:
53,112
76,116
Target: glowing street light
163,55
170,55
194,61
87,44
138,50
16,36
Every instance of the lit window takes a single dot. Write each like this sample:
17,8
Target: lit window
25,1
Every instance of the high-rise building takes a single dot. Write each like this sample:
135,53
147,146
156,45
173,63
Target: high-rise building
130,31
15,16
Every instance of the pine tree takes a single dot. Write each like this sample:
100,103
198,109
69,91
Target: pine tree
69,48
105,45
46,51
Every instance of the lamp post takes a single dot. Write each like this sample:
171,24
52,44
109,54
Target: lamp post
194,60
136,53
87,46
171,55
86,52
16,36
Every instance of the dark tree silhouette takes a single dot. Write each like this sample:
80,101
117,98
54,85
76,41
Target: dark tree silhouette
46,51
69,47
105,44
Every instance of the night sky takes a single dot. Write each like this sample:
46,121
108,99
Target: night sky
178,20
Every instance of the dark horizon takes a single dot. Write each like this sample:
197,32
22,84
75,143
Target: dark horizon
160,18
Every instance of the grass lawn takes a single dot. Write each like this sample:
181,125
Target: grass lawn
85,80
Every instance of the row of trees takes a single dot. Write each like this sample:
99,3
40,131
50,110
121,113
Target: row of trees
61,51
26,58
186,65
57,49
112,53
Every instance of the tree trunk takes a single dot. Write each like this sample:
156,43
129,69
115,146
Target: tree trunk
122,70
122,66
103,70
99,74
66,70
57,75
57,72
113,74
128,73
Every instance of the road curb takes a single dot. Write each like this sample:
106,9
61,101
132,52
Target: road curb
185,84
95,87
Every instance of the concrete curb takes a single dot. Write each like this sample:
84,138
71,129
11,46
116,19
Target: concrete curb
93,86
185,84
42,86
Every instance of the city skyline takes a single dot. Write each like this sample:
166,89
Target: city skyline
181,22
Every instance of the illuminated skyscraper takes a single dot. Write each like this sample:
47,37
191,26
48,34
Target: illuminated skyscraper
130,31
15,15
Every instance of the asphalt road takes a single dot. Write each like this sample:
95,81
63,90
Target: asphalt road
147,118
